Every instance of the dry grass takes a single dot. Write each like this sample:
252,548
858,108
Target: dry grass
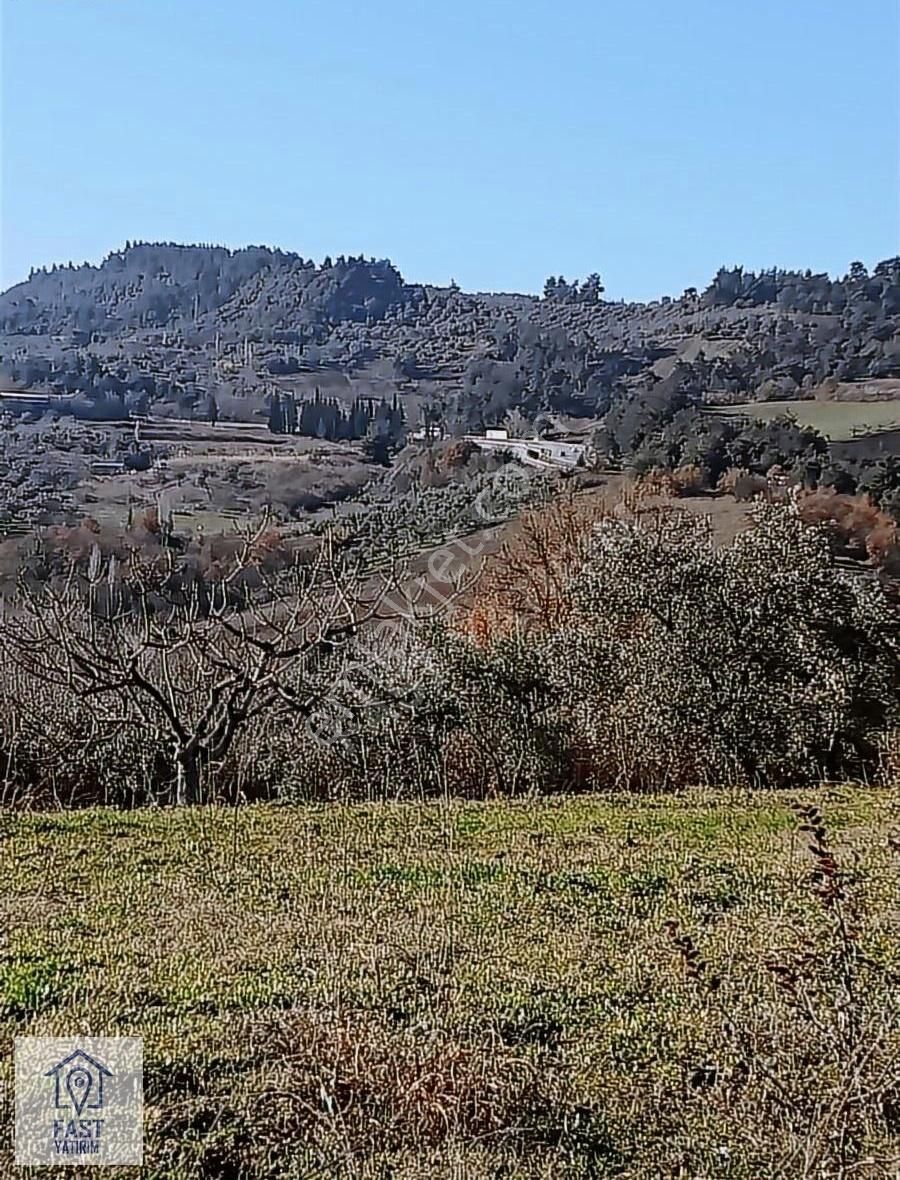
471,990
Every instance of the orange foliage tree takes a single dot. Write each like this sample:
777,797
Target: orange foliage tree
524,584
856,521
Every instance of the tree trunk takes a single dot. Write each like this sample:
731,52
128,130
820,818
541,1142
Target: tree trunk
187,781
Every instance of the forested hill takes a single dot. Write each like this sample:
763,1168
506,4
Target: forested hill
157,285
164,318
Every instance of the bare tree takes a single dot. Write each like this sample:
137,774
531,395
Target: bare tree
200,660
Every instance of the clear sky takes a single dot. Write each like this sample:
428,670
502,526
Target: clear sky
490,141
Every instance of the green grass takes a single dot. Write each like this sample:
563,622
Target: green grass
837,421
406,991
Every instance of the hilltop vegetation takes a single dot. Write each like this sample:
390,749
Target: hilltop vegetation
568,351
347,349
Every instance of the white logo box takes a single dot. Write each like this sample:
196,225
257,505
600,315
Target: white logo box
79,1100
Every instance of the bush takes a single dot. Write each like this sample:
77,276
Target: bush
759,663
440,716
857,526
688,480
742,484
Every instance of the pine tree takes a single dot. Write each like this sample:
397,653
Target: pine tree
276,416
289,414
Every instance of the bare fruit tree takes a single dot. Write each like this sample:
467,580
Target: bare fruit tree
198,660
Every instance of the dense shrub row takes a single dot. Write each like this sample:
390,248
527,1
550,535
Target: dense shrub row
674,662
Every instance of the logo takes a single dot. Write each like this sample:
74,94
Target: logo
80,1077
79,1101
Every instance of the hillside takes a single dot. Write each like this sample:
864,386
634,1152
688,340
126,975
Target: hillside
348,351
176,323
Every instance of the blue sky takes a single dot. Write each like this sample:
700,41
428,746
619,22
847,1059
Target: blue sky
483,140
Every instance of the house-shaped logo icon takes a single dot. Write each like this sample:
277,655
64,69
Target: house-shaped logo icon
80,1077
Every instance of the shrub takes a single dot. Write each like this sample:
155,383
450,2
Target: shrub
523,588
673,663
688,480
756,663
857,526
742,484
438,716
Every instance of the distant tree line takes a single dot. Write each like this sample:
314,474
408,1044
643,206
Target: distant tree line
877,295
589,291
155,285
331,419
769,335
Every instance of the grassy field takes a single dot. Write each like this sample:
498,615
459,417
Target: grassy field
839,421
474,990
